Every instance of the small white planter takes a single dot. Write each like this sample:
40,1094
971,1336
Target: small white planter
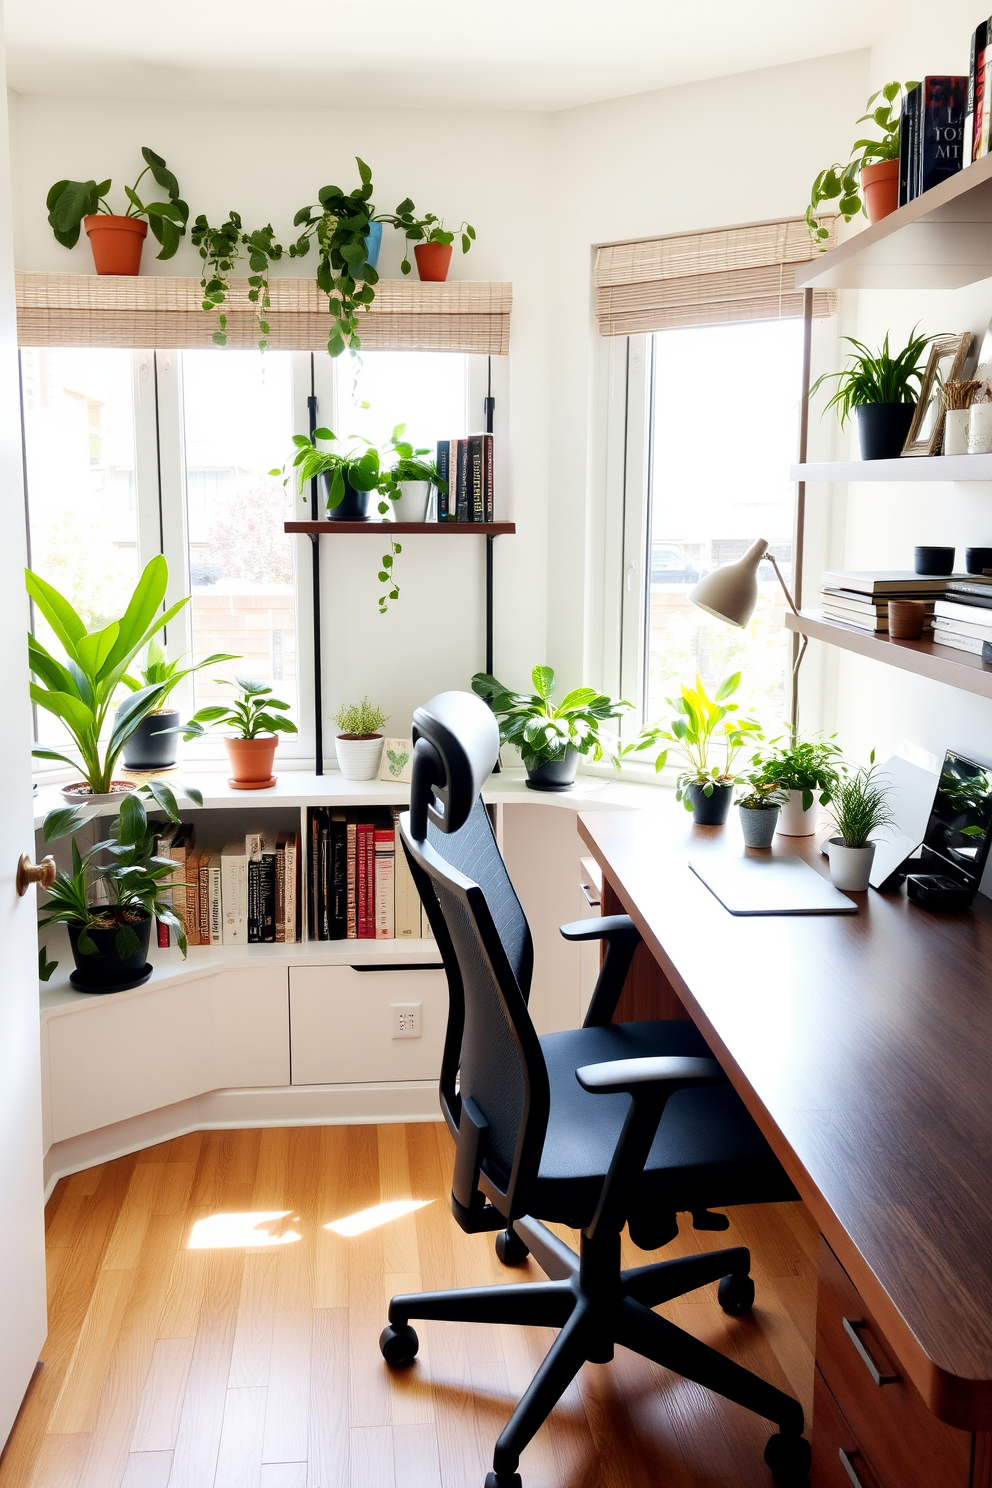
412,502
793,821
77,794
956,425
850,867
980,428
359,759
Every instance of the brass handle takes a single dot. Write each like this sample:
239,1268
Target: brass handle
42,873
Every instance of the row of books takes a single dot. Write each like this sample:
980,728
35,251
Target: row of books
862,599
465,469
978,108
963,618
359,885
932,134
244,893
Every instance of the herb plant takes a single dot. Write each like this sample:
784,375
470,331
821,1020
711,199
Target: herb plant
842,183
339,222
878,377
248,717
859,804
220,248
699,722
543,732
69,202
360,720
761,795
813,765
157,672
426,229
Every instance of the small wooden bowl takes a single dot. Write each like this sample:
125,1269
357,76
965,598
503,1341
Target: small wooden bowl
906,617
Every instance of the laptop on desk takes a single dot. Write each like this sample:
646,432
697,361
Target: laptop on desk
769,886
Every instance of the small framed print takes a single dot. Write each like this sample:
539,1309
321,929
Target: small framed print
948,357
397,761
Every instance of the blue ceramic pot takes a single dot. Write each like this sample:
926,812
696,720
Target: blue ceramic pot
373,242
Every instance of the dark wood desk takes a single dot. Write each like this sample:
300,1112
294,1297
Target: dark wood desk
862,1045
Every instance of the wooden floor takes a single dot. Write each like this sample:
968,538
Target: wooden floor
258,1367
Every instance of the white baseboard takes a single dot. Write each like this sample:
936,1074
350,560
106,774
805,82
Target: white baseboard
298,1105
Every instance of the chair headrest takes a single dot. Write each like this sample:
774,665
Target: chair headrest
455,746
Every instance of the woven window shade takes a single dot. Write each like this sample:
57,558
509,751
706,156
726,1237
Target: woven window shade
152,310
708,278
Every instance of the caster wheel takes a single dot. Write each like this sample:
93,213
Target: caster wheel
789,1458
398,1346
736,1297
503,1480
512,1251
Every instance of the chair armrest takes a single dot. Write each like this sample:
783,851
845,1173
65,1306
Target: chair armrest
607,927
659,1075
622,939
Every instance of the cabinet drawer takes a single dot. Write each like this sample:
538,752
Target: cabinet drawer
908,1445
838,1461
342,1021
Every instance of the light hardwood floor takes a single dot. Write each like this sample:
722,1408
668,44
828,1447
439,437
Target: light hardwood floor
171,1367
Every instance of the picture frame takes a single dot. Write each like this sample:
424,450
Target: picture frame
397,761
947,361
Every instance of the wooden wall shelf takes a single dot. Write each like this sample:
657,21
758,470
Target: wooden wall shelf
939,663
907,468
939,241
450,529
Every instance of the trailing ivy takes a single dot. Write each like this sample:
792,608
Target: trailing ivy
220,248
340,221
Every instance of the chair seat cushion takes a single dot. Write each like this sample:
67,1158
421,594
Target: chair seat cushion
708,1151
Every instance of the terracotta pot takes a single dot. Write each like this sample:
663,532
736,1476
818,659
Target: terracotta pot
880,187
251,762
433,261
116,243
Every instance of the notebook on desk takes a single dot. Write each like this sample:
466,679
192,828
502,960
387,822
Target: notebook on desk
769,886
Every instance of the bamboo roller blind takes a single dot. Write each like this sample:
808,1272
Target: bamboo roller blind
706,278
154,310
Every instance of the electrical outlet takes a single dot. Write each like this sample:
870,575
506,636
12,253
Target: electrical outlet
406,1019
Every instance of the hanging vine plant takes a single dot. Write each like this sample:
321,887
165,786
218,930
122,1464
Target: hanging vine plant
339,222
220,248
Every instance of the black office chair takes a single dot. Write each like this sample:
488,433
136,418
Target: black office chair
594,1128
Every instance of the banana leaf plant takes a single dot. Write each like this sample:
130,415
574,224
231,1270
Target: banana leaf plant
80,691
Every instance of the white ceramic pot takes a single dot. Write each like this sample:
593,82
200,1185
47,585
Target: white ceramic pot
793,821
980,429
957,422
79,794
850,867
411,504
359,759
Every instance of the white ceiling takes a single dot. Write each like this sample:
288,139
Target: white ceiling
516,54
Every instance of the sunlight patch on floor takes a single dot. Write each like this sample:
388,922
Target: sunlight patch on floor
231,1231
379,1214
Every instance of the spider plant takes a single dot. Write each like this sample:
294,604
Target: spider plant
860,804
878,377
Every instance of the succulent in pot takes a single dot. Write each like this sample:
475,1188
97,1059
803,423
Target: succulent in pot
859,807
551,738
700,721
759,806
153,744
256,718
117,240
882,389
359,740
808,769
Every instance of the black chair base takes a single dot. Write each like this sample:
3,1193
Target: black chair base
596,1306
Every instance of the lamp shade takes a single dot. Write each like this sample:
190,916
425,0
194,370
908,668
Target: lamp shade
731,593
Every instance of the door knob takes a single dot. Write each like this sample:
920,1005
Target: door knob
42,873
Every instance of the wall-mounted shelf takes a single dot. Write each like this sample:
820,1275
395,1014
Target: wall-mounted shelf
331,529
924,658
906,468
941,240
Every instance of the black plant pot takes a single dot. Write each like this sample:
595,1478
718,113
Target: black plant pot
107,971
710,810
554,774
354,506
882,429
150,749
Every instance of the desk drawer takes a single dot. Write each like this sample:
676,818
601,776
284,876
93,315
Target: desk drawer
838,1461
908,1446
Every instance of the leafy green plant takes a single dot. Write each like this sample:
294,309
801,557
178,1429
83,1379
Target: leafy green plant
842,183
248,717
80,691
339,222
543,732
426,229
360,720
167,675
813,765
761,795
701,721
69,202
220,248
877,377
860,804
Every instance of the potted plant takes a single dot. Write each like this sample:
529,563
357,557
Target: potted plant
251,748
80,693
883,389
220,248
551,739
431,239
116,241
759,806
152,745
410,480
859,807
869,182
341,222
359,741
808,770
704,789
109,939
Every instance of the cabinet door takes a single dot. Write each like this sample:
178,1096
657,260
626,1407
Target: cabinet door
342,1024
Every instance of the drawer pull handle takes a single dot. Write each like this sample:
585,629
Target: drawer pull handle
848,1466
593,903
851,1329
403,966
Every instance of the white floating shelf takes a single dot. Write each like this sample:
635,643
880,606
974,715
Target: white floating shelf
906,468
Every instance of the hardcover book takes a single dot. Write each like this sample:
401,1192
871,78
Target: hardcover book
234,893
463,510
385,847
444,514
941,129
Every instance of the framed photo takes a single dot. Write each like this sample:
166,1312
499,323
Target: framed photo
948,358
397,761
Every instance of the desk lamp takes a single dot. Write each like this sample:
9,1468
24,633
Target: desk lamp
731,593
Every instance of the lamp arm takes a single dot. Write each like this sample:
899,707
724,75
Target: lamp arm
792,606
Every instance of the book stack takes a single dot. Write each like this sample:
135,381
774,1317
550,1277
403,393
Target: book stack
932,133
243,893
465,467
963,618
862,599
359,885
978,115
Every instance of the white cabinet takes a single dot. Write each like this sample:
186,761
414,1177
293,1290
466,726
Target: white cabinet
342,1023
118,1056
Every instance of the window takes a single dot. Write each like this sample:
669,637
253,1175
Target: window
425,390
